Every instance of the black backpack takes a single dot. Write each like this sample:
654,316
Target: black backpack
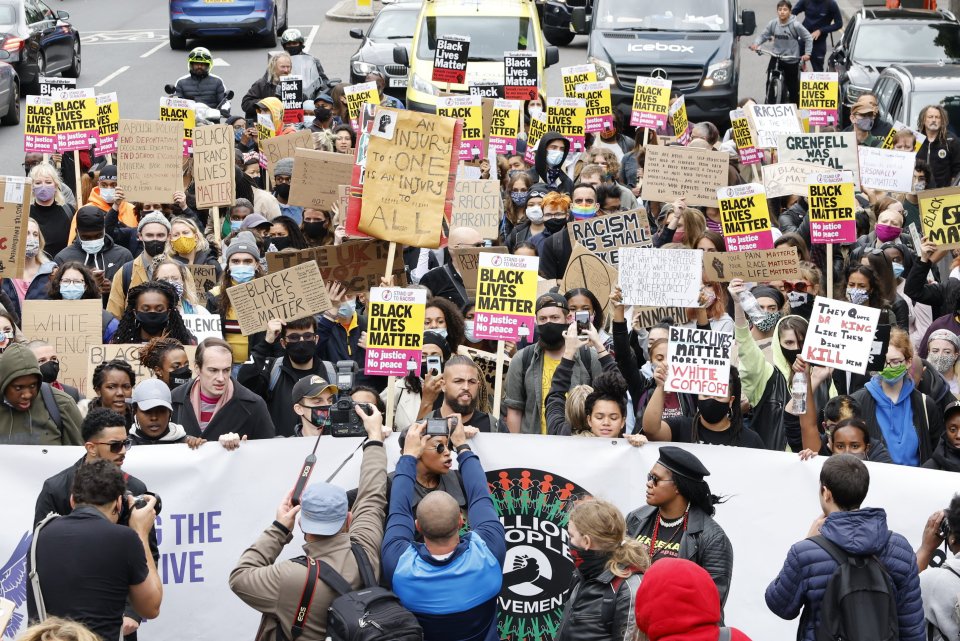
858,604
371,613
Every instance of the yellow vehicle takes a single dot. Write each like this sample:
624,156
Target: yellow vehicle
494,27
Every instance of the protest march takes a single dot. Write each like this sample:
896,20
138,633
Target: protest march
478,341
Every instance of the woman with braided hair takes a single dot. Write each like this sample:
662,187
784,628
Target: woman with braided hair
152,310
166,358
113,383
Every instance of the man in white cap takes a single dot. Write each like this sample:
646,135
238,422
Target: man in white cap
153,231
330,531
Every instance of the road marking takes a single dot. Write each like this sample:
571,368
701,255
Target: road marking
220,62
309,42
155,49
111,76
124,37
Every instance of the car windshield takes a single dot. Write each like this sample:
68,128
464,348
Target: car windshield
8,16
489,37
395,25
657,15
948,99
906,43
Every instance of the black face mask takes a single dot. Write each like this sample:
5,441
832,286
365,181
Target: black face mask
294,50
317,416
280,242
180,376
154,247
322,114
551,334
152,322
711,410
555,224
49,371
315,229
301,352
282,191
590,563
790,354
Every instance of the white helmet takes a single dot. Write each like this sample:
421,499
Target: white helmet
291,35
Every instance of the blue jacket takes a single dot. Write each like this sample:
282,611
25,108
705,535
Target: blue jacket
803,579
823,16
454,599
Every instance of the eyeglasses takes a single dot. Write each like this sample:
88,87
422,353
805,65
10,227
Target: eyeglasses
296,338
71,282
116,446
656,480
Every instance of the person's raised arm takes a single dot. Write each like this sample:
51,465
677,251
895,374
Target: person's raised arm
369,510
401,529
556,401
809,433
654,427
480,511
146,596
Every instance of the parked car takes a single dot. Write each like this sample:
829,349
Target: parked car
260,19
9,92
904,90
877,38
39,41
394,26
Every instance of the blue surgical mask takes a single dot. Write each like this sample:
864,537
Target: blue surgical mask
554,157
897,270
237,134
242,273
235,225
71,292
439,331
468,329
109,194
347,309
92,246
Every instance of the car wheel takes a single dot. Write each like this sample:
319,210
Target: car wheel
177,43
13,108
558,37
269,38
286,19
74,70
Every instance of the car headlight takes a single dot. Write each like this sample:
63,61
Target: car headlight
363,68
854,92
719,73
424,85
604,69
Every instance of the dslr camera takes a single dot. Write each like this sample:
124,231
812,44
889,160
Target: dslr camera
140,502
344,420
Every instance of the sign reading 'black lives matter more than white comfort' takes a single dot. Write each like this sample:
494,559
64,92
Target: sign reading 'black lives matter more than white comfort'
698,361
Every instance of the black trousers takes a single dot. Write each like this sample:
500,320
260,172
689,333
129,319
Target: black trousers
791,76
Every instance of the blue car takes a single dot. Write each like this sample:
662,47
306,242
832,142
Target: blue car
261,19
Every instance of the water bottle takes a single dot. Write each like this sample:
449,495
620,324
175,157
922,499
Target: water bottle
751,307
798,392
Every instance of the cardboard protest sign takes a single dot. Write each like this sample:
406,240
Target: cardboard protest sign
281,147
599,114
677,172
837,150
820,97
587,270
49,85
409,179
204,277
357,178
940,215
39,126
651,101
450,59
358,265
358,94
658,277
108,123
607,235
317,176
466,260
840,335
647,317
469,110
478,204
679,121
749,154
832,208
752,266
505,126
769,121
886,169
291,95
698,362
75,115
395,331
127,352
213,166
204,325
535,131
568,117
788,178
744,218
149,160
506,293
292,293
185,111
576,75
14,214
520,80
72,327
487,362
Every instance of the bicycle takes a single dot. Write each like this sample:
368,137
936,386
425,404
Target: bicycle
776,87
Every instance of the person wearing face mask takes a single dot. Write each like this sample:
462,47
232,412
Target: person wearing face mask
242,259
316,228
179,277
152,310
547,168
862,117
517,193
532,223
282,174
273,376
556,250
152,410
37,267
95,249
323,118
153,232
531,371
889,228
108,195
285,234
167,360
555,209
48,207
770,302
940,149
50,367
445,280
312,397
943,347
340,328
907,421
73,281
190,247
305,65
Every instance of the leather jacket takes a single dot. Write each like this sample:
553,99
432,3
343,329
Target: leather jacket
583,614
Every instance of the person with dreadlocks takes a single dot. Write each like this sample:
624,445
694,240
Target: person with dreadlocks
152,310
166,358
113,383
677,521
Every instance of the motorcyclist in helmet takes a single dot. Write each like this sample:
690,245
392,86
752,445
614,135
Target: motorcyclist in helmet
315,81
201,85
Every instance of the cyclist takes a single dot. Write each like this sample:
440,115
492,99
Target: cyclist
201,85
787,34
315,81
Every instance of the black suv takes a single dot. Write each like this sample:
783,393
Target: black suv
877,38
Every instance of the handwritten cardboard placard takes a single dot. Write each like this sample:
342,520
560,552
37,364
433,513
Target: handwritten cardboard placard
586,269
506,293
887,169
744,217
466,260
788,178
837,150
289,294
840,335
204,326
281,147
395,331
607,235
213,166
478,204
358,265
940,216
317,176
14,213
832,208
127,352
647,317
204,277
658,277
698,361
769,121
677,172
150,160
72,327
487,363
651,100
752,266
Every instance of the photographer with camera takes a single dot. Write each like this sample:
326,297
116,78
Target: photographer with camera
105,438
87,567
939,586
330,531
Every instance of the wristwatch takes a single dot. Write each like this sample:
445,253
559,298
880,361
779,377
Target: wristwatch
461,448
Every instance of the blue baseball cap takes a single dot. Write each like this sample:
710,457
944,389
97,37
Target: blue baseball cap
323,509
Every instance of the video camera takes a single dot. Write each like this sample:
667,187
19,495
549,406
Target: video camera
344,420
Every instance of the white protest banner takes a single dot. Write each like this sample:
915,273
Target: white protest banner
840,335
769,121
506,292
203,325
202,532
836,150
213,166
788,178
607,235
887,169
395,331
658,277
698,361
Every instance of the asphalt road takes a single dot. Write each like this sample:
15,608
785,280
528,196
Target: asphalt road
124,48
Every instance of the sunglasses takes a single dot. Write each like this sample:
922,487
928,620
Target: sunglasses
795,287
656,480
116,446
441,448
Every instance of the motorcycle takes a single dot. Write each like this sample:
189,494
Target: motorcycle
208,113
